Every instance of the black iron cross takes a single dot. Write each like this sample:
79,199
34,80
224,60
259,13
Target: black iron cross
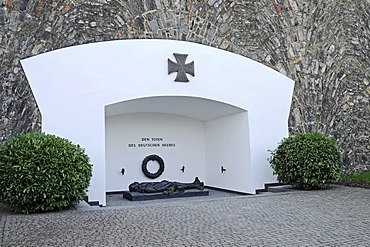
181,67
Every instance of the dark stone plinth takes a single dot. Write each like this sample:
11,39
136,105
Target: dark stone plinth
136,196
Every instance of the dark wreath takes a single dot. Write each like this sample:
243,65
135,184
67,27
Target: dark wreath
144,167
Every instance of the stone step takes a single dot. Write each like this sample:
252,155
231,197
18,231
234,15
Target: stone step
280,188
264,193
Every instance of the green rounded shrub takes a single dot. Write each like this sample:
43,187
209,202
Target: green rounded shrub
42,172
307,161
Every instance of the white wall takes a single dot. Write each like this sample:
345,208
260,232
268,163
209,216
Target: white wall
228,145
186,134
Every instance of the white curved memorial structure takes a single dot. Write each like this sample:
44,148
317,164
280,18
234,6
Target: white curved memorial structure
118,101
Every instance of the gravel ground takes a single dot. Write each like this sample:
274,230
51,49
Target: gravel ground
336,217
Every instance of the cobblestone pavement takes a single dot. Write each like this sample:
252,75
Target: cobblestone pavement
336,217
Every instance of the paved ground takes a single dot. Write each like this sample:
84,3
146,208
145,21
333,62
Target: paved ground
336,217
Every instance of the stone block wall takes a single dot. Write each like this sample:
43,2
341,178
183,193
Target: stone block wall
324,45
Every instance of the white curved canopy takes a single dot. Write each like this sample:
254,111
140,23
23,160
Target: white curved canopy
192,107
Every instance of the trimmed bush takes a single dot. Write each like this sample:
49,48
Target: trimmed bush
41,172
307,161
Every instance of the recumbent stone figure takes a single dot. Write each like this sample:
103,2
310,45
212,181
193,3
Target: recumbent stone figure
157,187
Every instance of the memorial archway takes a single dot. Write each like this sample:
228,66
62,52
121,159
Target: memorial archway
77,87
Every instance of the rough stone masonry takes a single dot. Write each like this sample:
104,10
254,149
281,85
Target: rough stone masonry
323,45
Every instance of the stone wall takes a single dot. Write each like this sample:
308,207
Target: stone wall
323,45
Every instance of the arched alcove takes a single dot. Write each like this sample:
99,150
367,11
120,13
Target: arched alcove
193,132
